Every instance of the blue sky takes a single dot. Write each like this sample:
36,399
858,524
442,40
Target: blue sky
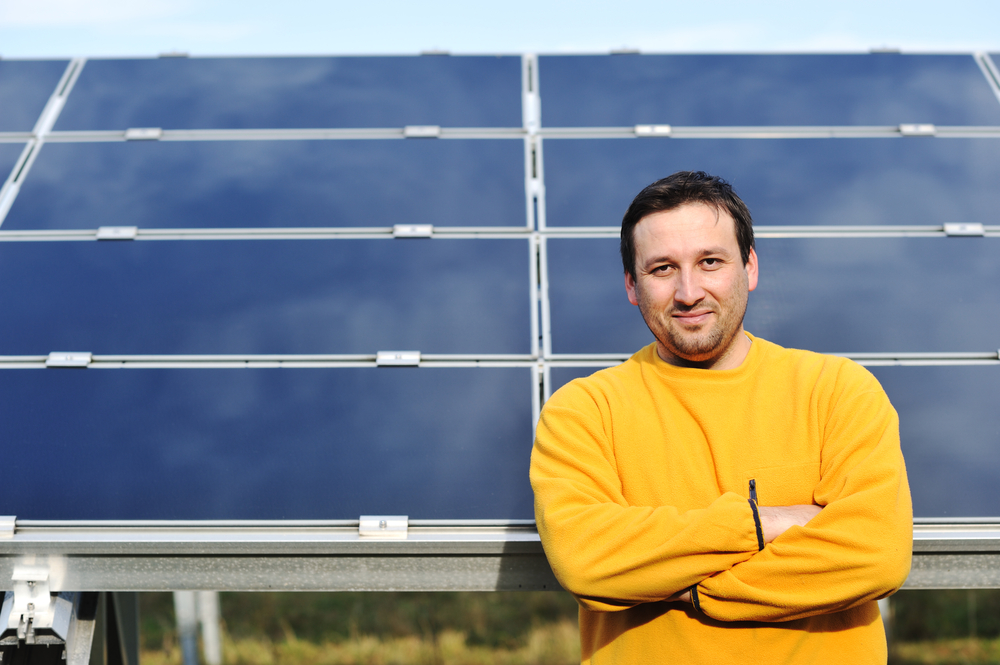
47,28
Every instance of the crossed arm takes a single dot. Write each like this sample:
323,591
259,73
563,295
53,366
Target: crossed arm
853,547
774,521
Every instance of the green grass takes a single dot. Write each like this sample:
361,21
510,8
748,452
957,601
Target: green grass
505,628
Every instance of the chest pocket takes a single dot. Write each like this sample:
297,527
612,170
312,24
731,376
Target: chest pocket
785,485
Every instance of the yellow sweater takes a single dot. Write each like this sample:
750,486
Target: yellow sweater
641,476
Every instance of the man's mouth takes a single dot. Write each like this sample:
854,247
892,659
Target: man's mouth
694,318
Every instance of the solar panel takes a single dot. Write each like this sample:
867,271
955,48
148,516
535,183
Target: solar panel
748,90
832,295
904,181
225,184
265,296
269,443
234,372
25,87
240,93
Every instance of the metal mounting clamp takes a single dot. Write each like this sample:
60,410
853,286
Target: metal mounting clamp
69,359
117,232
653,130
383,526
143,133
918,130
397,359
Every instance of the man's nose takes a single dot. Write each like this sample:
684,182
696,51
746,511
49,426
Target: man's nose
689,289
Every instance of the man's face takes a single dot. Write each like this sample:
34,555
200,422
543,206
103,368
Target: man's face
691,285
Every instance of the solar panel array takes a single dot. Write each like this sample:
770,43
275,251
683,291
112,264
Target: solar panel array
327,287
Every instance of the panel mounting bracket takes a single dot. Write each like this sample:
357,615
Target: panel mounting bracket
383,526
117,232
397,359
422,131
69,359
918,130
143,133
653,130
412,230
965,229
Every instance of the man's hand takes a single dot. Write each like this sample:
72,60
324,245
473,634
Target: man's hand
775,520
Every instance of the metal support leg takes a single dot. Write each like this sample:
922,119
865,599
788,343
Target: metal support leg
186,611
208,618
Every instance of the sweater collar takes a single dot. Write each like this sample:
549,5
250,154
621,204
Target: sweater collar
648,356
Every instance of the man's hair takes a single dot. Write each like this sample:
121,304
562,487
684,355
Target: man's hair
676,190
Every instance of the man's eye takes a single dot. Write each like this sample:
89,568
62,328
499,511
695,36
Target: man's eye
711,263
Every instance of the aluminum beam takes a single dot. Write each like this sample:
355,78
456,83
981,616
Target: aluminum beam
269,557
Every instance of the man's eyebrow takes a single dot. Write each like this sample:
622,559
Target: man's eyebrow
708,251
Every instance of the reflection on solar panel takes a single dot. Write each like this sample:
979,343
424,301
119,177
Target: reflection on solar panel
256,246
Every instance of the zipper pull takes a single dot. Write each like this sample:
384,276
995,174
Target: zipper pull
753,490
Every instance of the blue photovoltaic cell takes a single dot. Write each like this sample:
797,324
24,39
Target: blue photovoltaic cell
278,93
227,184
9,152
837,295
912,181
693,90
25,88
949,426
265,296
268,443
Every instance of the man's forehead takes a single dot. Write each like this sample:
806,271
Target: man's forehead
686,219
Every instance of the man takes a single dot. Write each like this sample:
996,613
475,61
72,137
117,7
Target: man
717,498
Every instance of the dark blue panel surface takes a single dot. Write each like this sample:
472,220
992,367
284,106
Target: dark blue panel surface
238,93
785,181
874,89
9,152
273,184
265,296
25,87
268,444
949,427
828,295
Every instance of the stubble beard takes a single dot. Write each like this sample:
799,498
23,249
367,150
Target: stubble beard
697,345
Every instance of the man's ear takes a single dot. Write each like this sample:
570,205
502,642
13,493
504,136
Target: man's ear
751,268
630,289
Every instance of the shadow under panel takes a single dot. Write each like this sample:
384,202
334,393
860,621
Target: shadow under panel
949,427
25,88
299,92
431,443
241,184
815,89
265,296
904,180
833,295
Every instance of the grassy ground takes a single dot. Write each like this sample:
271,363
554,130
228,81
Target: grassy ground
519,628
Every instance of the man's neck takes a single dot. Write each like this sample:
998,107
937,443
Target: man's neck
731,358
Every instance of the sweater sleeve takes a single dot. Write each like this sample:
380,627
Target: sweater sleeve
857,549
609,554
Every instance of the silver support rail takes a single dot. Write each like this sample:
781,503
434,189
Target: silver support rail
332,556
255,556
771,132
